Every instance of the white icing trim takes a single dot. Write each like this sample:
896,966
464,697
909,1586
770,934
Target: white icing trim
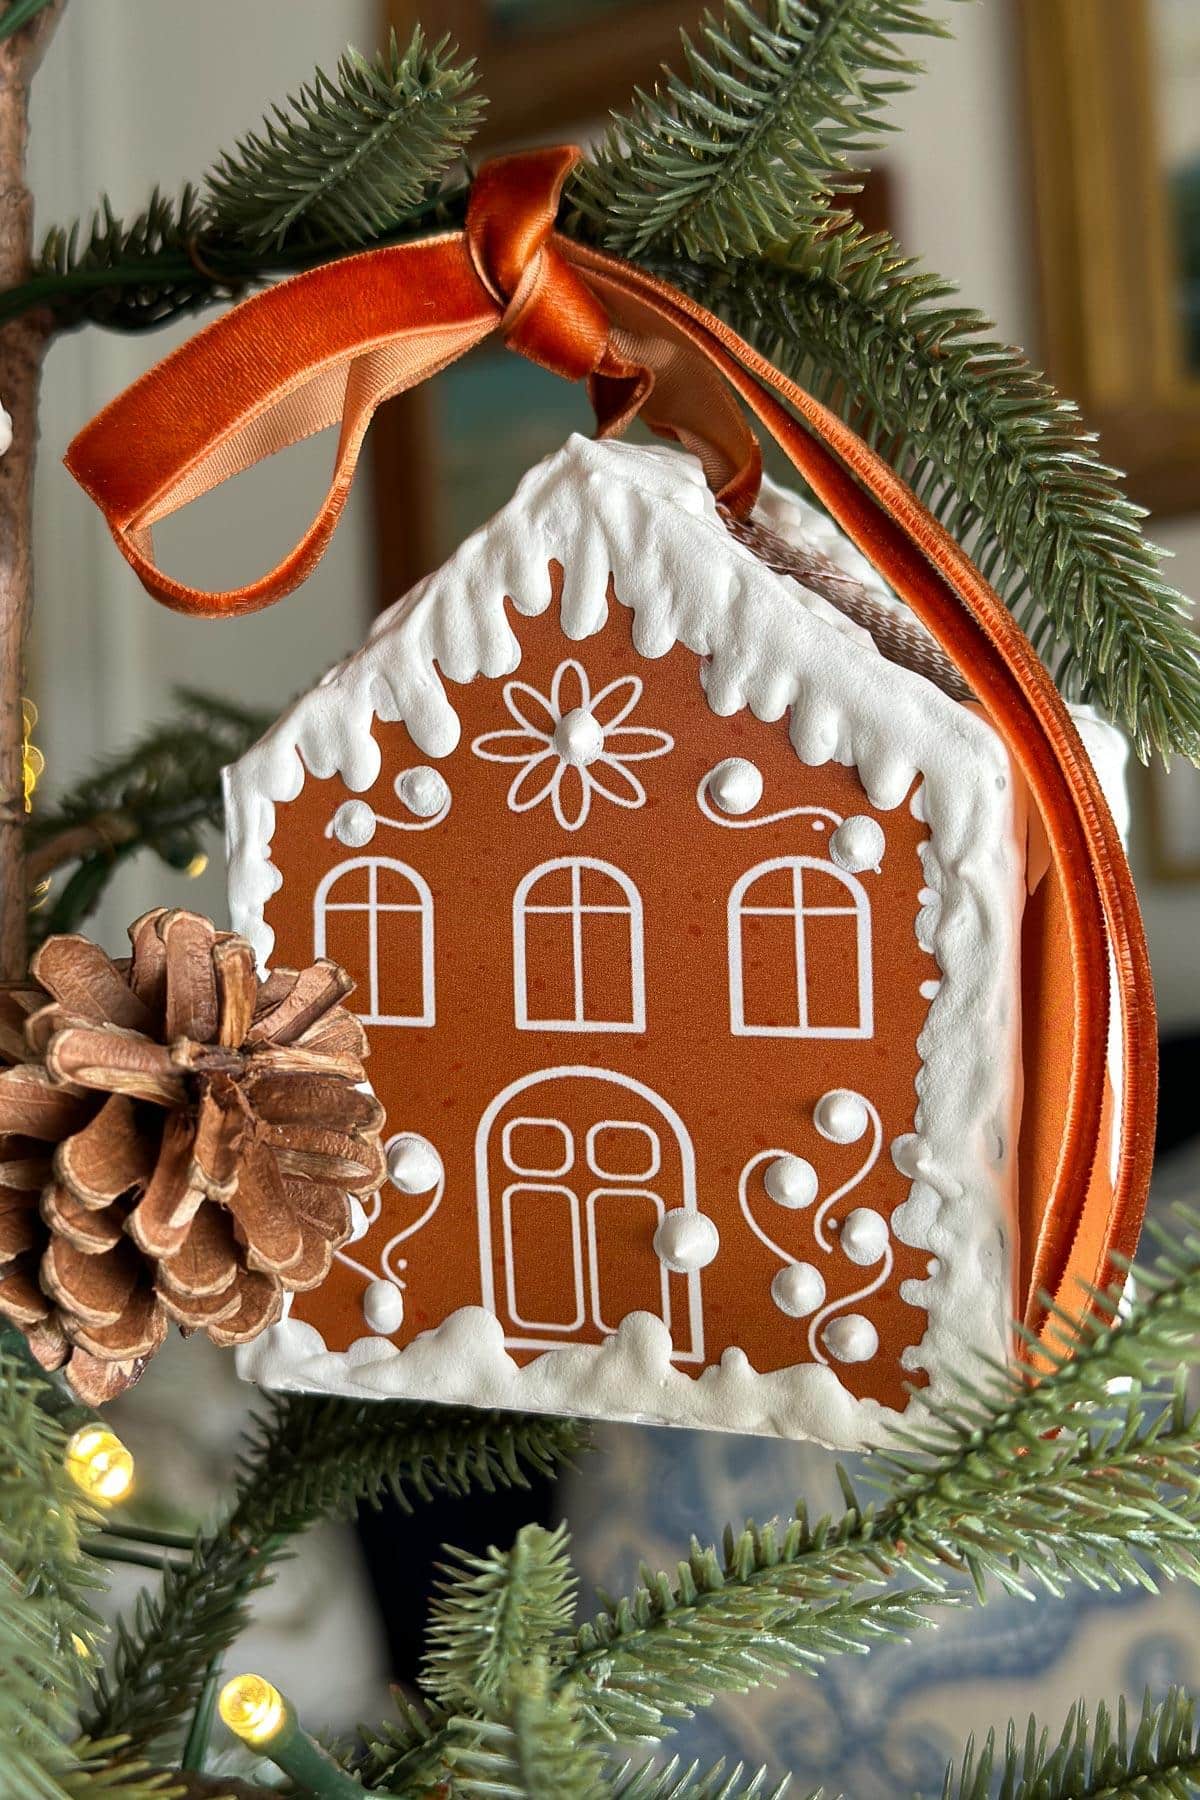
646,518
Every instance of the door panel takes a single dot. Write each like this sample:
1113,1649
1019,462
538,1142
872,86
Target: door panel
575,1168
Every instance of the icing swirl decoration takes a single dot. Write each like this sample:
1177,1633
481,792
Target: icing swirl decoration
863,1237
572,744
424,792
734,788
414,1168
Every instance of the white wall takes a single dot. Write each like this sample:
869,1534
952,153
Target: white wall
133,93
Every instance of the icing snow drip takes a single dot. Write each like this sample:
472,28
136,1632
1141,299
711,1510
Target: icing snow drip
646,518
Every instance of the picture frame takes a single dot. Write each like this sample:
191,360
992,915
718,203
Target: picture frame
1117,228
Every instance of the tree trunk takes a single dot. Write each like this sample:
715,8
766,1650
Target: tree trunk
22,348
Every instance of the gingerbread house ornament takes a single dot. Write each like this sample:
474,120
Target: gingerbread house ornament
686,919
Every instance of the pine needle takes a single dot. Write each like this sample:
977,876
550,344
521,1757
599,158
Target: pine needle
758,134
355,155
1156,1756
495,1612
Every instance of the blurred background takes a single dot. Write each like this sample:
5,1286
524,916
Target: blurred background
1049,161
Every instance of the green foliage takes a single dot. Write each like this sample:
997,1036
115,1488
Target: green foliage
159,795
758,134
355,156
495,1612
102,1771
675,1782
532,1745
360,155
1159,1759
726,182
129,274
17,13
1005,463
308,1459
48,1632
1020,1485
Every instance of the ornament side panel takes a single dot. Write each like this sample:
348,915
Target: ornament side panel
648,999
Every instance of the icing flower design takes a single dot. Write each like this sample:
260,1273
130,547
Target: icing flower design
572,743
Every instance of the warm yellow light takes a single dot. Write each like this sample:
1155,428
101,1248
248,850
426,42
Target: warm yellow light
251,1708
32,761
98,1462
80,1647
197,865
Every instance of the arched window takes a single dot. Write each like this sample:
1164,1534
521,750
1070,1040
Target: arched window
578,960
800,952
375,917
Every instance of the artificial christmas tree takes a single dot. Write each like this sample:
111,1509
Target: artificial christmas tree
725,184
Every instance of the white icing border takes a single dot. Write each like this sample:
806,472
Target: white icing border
647,517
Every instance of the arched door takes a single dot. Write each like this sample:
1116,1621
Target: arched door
575,1169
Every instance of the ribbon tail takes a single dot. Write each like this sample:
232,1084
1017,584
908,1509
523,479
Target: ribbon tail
934,576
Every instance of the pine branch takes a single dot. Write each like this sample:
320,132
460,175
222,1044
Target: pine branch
160,795
989,446
494,1613
1031,1485
129,274
48,1631
533,1747
18,13
308,1459
362,157
759,135
675,1782
103,1771
355,156
1159,1759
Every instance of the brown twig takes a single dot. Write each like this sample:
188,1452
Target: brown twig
22,349
107,831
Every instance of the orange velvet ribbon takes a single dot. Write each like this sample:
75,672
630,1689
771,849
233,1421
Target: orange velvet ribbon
332,344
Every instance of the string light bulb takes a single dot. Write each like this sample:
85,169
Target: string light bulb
253,1710
265,1721
197,865
99,1463
33,763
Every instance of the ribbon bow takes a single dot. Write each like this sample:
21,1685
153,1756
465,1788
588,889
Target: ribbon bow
330,345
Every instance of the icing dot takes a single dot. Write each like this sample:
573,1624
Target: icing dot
686,1241
906,1153
413,1164
929,990
791,1181
578,738
852,1338
353,824
736,785
864,1236
383,1307
857,844
841,1116
423,791
798,1290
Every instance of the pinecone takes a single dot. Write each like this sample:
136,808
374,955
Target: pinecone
177,1140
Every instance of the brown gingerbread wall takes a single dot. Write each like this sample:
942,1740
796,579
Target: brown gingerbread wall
734,1096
